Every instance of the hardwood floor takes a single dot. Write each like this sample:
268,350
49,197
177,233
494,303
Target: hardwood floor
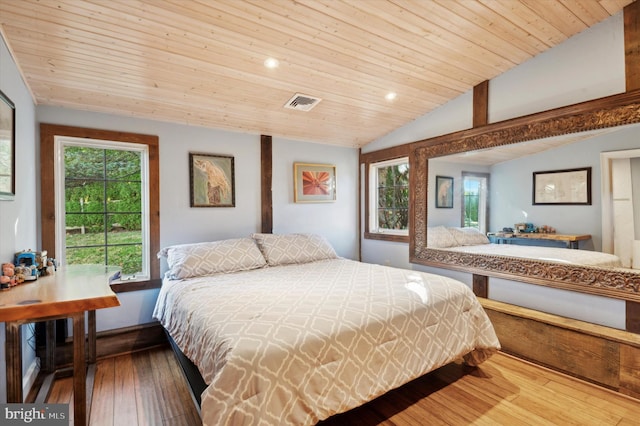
147,388
142,388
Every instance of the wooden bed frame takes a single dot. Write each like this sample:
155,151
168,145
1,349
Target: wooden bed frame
191,373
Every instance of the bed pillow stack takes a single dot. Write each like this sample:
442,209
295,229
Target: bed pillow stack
468,236
440,237
194,260
294,248
444,237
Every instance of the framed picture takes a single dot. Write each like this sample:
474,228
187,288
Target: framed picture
7,148
570,186
314,183
212,182
444,192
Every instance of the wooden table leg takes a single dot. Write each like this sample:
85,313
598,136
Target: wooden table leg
79,371
49,364
92,354
91,336
13,354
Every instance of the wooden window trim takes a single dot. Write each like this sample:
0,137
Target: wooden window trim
47,197
367,159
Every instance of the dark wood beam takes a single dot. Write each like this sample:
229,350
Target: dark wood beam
632,318
481,104
266,165
480,285
632,45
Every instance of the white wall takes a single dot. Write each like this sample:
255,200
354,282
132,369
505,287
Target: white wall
587,66
511,187
448,216
338,220
179,223
18,222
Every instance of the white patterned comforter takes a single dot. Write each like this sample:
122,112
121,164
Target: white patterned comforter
296,344
549,254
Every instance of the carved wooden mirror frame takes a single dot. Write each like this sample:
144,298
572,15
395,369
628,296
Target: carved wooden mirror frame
616,110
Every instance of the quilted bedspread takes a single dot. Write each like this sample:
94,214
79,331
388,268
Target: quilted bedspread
549,254
296,344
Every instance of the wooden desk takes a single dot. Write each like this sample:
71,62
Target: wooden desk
69,293
571,241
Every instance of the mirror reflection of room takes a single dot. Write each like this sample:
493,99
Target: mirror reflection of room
504,210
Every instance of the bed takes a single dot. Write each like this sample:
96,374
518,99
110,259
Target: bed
283,331
470,240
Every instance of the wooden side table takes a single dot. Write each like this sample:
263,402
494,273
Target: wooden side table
569,241
70,293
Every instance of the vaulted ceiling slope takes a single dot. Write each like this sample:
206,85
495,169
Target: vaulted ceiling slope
201,62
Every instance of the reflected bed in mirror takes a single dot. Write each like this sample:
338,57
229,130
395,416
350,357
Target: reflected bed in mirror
510,153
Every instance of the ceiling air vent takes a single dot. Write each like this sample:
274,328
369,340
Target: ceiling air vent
302,102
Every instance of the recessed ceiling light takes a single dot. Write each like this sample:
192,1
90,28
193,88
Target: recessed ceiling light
390,96
271,63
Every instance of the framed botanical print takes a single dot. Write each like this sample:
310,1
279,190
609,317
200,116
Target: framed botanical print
211,180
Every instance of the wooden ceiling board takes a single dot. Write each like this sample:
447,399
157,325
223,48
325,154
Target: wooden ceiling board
200,62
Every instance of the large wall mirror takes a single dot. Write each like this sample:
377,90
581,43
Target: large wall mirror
602,136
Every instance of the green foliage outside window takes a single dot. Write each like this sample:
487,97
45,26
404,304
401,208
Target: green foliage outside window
103,206
102,188
393,197
471,201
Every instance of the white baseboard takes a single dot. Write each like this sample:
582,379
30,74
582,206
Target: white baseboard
30,377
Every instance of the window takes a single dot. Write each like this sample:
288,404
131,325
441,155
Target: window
102,205
475,201
389,197
100,201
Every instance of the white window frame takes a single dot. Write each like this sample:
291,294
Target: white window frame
483,199
373,197
60,142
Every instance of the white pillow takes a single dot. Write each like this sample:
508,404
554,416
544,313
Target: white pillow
194,260
440,237
468,236
294,248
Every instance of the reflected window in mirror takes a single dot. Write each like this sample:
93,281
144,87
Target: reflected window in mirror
475,201
389,197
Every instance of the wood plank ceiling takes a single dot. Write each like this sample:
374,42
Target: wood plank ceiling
200,62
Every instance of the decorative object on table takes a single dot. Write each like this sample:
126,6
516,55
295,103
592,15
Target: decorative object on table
7,148
52,266
9,277
546,229
37,262
25,258
212,181
524,228
314,183
570,186
444,192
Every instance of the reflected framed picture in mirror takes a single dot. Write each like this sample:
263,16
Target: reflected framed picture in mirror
444,192
7,148
562,187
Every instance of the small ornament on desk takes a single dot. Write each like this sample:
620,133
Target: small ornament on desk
8,278
32,260
50,268
546,229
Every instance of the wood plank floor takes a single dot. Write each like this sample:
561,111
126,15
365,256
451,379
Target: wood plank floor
147,388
